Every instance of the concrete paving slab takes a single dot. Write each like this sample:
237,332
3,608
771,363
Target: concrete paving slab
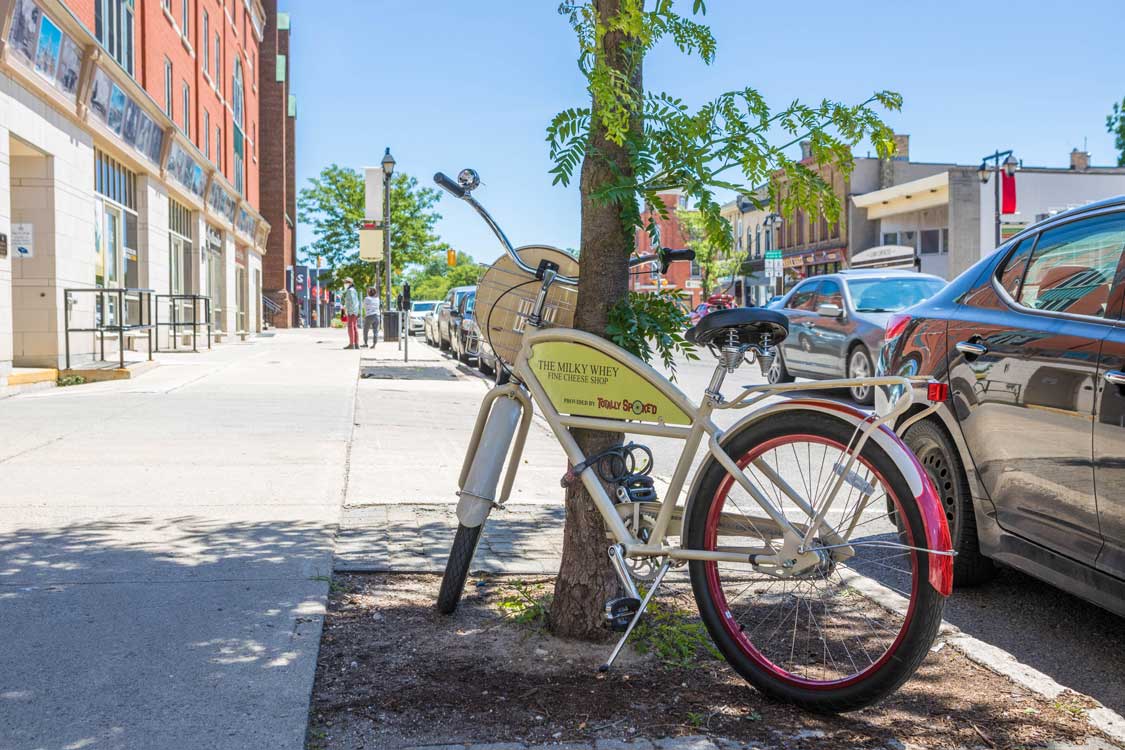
205,664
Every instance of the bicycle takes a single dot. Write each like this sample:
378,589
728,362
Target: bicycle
793,511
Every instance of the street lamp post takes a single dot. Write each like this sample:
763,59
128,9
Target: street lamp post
388,170
1009,165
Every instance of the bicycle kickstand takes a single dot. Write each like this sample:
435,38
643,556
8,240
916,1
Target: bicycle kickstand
636,618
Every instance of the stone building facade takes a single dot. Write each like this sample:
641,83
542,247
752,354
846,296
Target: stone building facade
129,159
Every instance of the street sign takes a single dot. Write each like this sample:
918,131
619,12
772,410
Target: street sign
773,264
373,193
371,241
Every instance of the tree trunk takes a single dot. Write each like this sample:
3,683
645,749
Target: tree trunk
586,579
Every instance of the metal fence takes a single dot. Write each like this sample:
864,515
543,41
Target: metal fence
179,307
111,313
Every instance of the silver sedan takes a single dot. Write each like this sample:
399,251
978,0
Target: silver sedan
837,323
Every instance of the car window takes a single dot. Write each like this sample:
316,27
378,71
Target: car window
1073,266
830,293
1011,274
803,297
893,294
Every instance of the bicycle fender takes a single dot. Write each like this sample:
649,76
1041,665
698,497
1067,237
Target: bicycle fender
933,516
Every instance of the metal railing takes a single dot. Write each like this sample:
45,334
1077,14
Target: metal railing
270,309
121,295
194,322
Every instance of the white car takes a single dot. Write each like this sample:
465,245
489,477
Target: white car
418,312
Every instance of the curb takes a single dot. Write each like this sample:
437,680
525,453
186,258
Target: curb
997,660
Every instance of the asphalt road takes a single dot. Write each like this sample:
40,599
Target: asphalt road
1074,642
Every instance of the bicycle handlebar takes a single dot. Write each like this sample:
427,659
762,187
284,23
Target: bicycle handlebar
663,255
450,186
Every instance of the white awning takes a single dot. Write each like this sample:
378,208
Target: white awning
909,196
884,256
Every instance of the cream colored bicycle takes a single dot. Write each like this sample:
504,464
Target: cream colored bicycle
819,554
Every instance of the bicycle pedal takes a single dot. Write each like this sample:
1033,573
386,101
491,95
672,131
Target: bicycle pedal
621,611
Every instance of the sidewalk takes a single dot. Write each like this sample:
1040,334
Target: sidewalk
399,511
165,548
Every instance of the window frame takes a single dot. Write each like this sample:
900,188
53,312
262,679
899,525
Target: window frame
168,78
185,95
1113,305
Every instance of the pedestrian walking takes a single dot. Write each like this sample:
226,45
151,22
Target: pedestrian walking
351,312
371,311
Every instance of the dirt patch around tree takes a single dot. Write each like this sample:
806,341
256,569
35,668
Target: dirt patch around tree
392,672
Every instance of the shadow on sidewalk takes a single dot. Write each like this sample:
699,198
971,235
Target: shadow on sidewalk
160,632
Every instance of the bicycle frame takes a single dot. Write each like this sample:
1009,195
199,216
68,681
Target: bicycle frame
558,365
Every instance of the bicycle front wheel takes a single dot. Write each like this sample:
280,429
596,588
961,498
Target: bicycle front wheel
457,567
843,634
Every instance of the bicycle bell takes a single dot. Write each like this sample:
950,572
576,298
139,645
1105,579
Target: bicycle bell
468,179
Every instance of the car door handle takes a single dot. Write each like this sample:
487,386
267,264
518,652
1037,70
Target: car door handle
1115,376
971,348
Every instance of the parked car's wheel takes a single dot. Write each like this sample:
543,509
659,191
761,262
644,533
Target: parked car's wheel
501,375
859,366
488,368
777,372
462,349
443,343
942,463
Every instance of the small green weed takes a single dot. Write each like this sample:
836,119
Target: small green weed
65,380
525,604
673,636
1071,707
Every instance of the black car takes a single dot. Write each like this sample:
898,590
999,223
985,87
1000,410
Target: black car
1028,452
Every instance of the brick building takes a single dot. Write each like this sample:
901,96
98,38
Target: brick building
129,159
279,161
681,276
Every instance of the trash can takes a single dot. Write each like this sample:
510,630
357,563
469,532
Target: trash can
390,326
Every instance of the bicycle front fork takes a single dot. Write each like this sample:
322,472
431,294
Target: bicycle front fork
502,424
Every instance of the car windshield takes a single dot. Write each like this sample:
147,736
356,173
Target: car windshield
891,295
422,306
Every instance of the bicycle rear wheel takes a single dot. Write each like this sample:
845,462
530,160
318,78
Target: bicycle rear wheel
845,633
457,567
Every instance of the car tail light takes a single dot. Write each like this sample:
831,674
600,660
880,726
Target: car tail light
895,326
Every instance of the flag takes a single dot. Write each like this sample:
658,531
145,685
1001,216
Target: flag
1007,193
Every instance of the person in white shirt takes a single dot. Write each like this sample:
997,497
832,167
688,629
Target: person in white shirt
371,310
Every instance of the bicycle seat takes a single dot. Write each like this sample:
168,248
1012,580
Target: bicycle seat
749,324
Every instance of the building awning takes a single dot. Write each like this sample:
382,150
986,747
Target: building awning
884,256
909,196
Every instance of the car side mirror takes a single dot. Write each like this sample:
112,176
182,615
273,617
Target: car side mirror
829,310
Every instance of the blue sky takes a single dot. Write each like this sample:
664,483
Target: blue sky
453,83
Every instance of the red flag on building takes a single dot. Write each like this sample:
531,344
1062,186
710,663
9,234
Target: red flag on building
1007,193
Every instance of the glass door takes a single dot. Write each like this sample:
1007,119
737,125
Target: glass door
110,262
215,285
240,295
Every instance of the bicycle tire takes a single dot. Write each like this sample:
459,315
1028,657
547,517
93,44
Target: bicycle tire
457,567
758,661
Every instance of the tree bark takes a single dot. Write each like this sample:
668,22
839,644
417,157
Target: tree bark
586,579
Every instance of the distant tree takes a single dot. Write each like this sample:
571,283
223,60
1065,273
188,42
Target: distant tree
1115,125
434,279
333,206
712,252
